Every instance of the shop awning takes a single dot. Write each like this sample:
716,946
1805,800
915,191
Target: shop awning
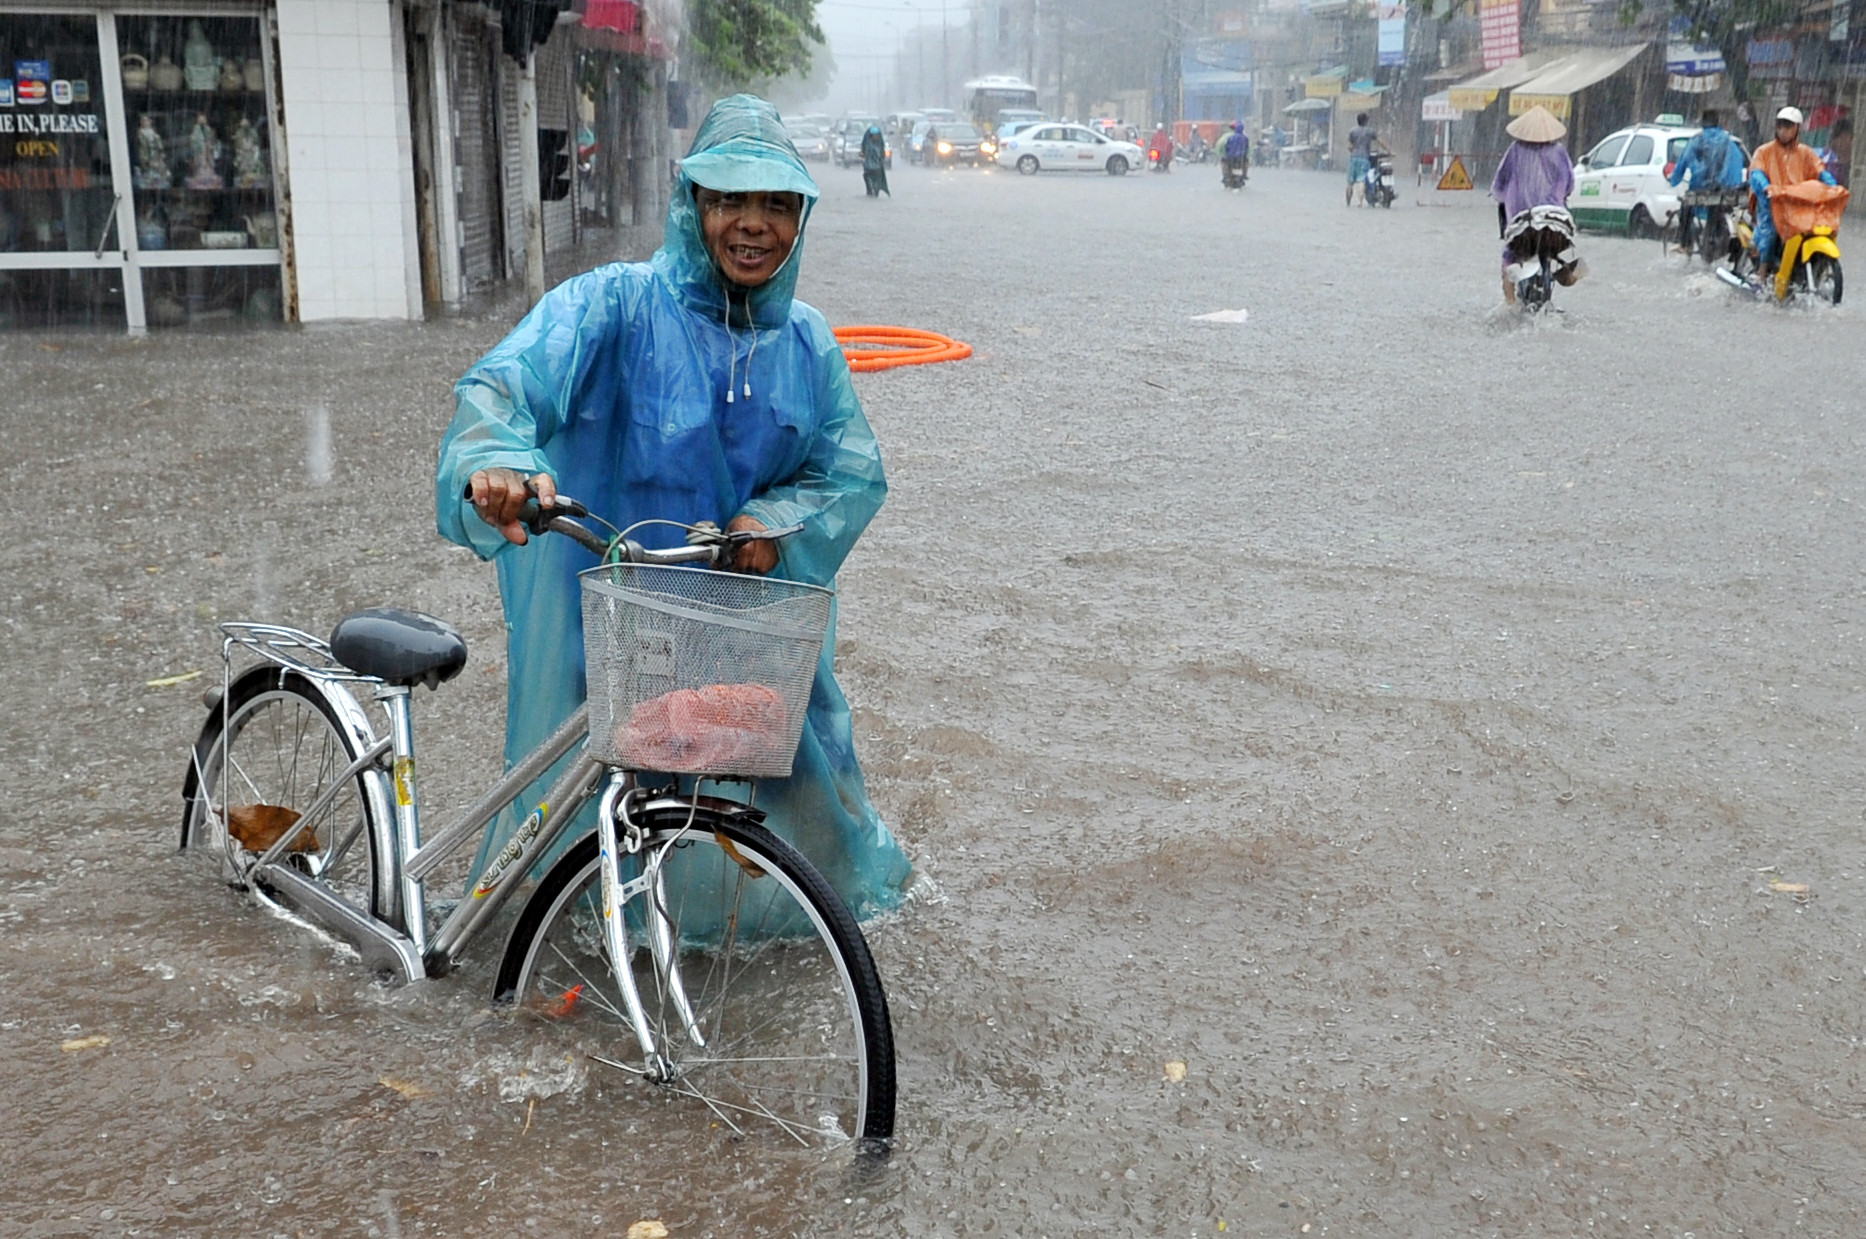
1556,84
1481,91
1309,105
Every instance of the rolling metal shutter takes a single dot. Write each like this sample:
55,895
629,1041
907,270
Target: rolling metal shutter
476,155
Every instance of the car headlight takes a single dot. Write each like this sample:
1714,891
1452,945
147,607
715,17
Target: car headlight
945,148
986,148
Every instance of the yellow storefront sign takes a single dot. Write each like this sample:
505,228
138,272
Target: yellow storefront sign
1322,87
1471,99
1556,104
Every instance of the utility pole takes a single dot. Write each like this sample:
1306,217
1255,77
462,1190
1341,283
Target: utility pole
945,56
1061,22
977,9
531,182
1030,44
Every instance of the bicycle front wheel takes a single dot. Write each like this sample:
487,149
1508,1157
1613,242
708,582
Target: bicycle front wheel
766,1008
271,756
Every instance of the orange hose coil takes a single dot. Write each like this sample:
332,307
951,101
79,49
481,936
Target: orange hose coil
881,348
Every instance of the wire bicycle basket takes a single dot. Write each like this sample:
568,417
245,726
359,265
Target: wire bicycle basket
692,671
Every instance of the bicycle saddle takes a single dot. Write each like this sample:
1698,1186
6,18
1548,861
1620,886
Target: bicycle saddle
399,647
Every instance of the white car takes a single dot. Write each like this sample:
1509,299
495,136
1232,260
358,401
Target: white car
1621,186
1065,148
811,142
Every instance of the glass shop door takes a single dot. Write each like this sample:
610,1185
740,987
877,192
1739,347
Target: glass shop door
137,182
64,209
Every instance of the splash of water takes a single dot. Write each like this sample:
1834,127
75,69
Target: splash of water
317,445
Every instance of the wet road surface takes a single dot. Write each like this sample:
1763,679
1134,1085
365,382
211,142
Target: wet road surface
1397,714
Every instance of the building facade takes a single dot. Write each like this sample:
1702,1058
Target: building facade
167,165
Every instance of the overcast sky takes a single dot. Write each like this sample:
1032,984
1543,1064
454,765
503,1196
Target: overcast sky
863,35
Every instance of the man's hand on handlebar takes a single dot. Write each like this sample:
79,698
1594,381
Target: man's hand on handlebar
499,496
754,558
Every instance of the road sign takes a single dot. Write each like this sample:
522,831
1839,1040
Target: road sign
1455,176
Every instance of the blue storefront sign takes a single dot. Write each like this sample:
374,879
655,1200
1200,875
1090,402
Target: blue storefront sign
1392,33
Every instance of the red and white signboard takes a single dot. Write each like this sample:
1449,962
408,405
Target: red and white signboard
1502,27
31,92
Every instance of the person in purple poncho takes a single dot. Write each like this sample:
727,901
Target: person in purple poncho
1535,171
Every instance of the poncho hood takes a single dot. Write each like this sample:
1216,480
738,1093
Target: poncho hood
741,147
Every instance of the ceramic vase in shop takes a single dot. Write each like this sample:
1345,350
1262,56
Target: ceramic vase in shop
165,74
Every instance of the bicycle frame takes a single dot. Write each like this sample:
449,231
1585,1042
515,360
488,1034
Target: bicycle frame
408,858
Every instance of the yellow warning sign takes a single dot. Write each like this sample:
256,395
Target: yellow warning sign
1455,176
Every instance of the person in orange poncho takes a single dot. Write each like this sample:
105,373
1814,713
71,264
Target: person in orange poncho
1785,161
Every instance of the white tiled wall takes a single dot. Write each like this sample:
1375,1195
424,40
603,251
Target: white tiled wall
351,162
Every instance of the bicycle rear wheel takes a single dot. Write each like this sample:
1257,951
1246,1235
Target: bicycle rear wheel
261,763
780,984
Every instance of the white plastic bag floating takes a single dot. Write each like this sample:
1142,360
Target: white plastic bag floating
1222,316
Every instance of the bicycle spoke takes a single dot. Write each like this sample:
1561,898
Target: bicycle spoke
784,1044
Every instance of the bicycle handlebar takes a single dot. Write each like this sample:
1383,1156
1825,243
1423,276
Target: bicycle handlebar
715,548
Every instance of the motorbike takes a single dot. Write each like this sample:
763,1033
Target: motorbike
1713,234
1541,245
1810,263
1380,180
1158,161
1236,172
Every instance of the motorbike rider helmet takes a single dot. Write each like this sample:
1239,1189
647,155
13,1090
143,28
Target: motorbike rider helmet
1791,115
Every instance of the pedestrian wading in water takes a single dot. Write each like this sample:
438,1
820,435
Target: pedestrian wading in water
689,388
875,163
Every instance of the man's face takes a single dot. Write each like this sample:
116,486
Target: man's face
1786,131
749,235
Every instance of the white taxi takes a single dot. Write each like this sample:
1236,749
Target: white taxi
1621,186
1066,148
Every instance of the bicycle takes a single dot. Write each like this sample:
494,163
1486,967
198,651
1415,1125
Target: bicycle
681,923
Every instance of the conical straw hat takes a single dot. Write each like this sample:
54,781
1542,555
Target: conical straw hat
1538,124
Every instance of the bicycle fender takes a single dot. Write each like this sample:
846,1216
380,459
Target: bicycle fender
1810,246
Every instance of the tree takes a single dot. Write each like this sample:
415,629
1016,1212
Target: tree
741,43
795,92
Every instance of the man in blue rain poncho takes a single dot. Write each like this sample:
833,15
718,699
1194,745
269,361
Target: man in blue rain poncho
689,388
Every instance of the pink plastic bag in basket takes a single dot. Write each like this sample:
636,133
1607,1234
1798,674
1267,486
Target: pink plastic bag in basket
722,728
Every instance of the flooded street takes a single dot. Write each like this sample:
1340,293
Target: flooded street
1383,767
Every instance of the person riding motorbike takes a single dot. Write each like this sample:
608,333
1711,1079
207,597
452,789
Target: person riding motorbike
1362,139
1196,149
1536,171
1160,149
1778,164
1712,160
1235,162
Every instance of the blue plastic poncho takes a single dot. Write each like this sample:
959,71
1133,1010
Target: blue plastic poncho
646,393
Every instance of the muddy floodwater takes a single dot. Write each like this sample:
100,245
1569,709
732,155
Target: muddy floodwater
1378,768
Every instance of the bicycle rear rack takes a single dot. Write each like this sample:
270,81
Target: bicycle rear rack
291,648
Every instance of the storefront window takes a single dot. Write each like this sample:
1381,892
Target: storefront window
56,193
194,98
55,297
212,296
